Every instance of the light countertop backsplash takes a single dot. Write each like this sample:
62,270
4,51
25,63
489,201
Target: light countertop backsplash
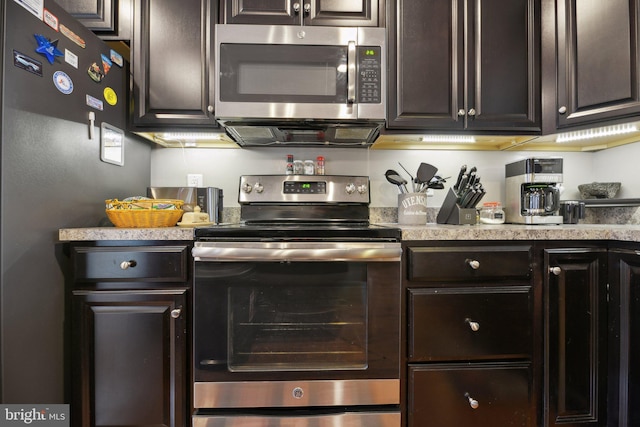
222,168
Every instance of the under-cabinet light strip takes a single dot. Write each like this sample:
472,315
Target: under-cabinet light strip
596,133
449,138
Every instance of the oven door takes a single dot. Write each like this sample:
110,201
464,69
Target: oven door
288,72
296,324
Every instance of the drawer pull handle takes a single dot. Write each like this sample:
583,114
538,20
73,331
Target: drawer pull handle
472,402
473,263
475,326
555,271
126,264
176,312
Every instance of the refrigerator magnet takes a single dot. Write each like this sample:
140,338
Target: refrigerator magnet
72,36
116,58
94,102
27,63
95,73
50,19
106,63
48,48
63,82
110,96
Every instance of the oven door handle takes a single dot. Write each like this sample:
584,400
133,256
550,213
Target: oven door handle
296,252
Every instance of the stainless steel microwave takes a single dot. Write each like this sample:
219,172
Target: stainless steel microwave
300,74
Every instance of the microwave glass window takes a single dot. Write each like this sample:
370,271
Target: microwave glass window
287,79
283,73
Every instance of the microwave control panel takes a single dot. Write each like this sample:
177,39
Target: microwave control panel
370,70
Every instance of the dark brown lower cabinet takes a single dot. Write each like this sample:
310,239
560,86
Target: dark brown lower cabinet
478,395
624,346
129,356
576,319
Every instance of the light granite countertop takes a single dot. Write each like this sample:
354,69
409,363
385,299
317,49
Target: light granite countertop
625,232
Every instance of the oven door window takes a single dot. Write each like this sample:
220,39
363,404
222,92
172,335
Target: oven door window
285,316
283,73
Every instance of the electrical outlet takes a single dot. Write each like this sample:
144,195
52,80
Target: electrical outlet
195,180
430,192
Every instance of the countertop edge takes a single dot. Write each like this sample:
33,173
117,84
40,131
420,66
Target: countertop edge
625,232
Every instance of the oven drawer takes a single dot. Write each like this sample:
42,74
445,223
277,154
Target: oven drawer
350,419
122,263
468,263
470,323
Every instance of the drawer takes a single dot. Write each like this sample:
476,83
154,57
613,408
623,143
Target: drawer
471,395
468,263
470,323
122,263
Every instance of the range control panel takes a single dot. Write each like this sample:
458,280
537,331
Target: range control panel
284,189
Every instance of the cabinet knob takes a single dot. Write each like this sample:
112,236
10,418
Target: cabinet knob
296,7
562,110
475,326
176,312
555,270
210,108
307,7
472,402
126,264
472,112
461,112
473,263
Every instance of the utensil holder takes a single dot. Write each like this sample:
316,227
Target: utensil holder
412,208
452,213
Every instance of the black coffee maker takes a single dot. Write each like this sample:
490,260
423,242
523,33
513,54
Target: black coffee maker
533,191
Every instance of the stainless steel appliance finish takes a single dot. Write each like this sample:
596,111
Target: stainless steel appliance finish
346,419
532,191
300,85
210,199
296,318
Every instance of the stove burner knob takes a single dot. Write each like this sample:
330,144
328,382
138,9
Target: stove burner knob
351,188
259,187
247,187
362,188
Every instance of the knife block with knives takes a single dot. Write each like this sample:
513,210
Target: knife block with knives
459,206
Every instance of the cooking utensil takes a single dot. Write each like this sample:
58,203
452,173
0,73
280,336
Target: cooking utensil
413,180
425,173
394,178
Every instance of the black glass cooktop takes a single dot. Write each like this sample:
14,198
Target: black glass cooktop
298,231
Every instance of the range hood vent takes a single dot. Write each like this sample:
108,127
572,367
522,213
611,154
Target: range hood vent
303,133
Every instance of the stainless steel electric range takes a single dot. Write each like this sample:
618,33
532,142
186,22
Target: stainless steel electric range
297,309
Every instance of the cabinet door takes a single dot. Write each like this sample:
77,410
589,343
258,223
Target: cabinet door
479,395
346,13
129,358
426,72
97,15
173,63
576,333
465,65
624,266
267,12
598,60
503,63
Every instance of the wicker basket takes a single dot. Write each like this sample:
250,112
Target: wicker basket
147,213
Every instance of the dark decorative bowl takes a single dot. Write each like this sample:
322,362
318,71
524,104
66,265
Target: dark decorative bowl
599,190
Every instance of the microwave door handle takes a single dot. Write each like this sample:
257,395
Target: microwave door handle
351,72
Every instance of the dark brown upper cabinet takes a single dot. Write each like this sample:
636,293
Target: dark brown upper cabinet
597,65
465,64
109,19
346,13
172,63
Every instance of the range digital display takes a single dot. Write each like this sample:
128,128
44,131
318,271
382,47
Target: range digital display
305,187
